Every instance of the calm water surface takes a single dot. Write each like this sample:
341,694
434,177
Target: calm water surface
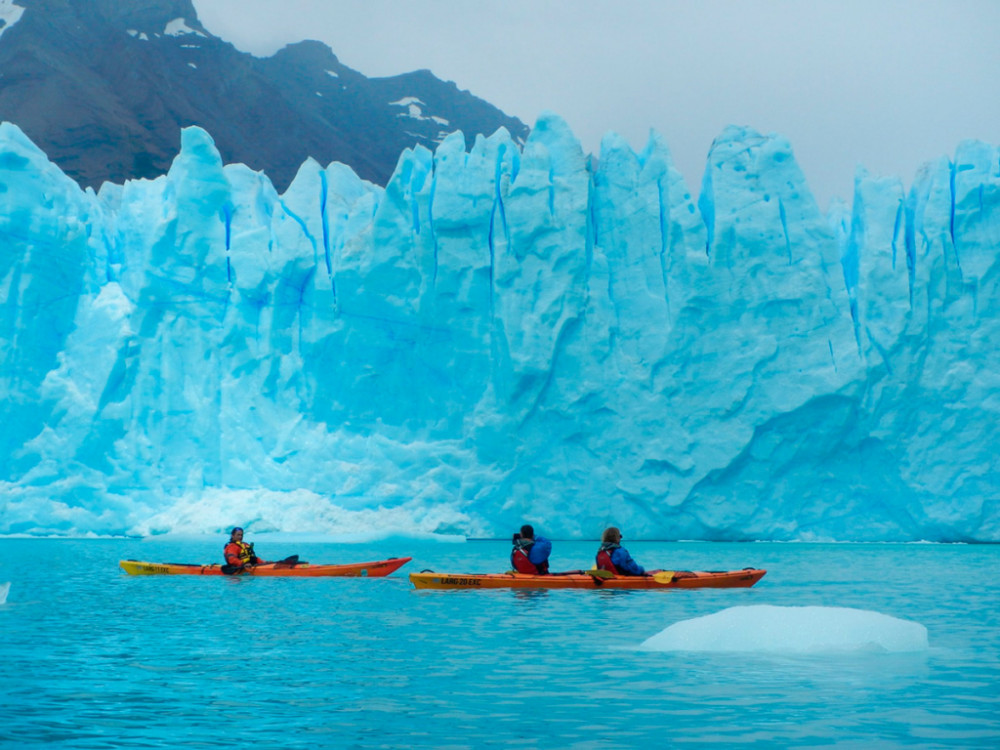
92,658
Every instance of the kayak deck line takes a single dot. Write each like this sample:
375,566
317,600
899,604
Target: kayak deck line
373,569
681,579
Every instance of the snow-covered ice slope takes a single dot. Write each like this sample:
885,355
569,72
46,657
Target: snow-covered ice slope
501,336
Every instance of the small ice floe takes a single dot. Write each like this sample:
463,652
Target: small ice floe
4,590
771,629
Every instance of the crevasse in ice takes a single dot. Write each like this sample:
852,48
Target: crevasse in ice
499,336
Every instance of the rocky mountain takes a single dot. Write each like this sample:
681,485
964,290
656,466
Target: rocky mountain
104,88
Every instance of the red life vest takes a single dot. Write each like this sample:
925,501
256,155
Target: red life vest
604,561
239,554
519,560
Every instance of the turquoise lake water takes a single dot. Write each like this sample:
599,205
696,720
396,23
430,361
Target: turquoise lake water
92,658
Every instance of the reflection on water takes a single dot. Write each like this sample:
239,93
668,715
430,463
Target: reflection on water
91,658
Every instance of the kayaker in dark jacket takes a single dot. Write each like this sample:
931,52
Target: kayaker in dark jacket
531,553
238,553
615,558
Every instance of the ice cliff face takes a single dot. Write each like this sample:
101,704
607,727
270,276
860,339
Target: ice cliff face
499,336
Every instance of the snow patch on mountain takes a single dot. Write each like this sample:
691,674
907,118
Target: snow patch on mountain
414,110
179,27
10,13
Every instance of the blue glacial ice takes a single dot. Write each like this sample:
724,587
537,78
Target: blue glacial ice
800,630
499,336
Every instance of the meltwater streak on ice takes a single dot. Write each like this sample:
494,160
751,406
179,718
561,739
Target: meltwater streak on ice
767,628
502,335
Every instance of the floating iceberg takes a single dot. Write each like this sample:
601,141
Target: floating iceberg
502,335
766,628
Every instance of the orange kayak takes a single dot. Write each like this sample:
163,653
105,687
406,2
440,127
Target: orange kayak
591,579
375,569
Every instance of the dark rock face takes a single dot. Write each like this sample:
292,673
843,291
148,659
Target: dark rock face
104,88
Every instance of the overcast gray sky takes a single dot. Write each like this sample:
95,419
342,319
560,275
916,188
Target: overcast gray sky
888,84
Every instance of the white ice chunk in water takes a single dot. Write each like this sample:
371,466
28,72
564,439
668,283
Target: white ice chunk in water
768,628
4,590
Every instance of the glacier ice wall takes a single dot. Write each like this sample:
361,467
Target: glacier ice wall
502,335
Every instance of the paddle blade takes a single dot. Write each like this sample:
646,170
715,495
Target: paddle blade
664,576
603,574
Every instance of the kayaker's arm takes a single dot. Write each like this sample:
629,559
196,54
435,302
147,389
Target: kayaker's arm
232,553
625,564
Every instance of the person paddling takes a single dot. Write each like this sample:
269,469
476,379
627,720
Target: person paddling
614,558
530,553
239,554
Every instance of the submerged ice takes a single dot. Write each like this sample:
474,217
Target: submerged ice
770,629
498,336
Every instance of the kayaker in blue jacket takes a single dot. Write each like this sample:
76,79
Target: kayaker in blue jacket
615,558
531,553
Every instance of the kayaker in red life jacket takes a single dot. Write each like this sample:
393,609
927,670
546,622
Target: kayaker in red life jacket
239,554
615,558
531,553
